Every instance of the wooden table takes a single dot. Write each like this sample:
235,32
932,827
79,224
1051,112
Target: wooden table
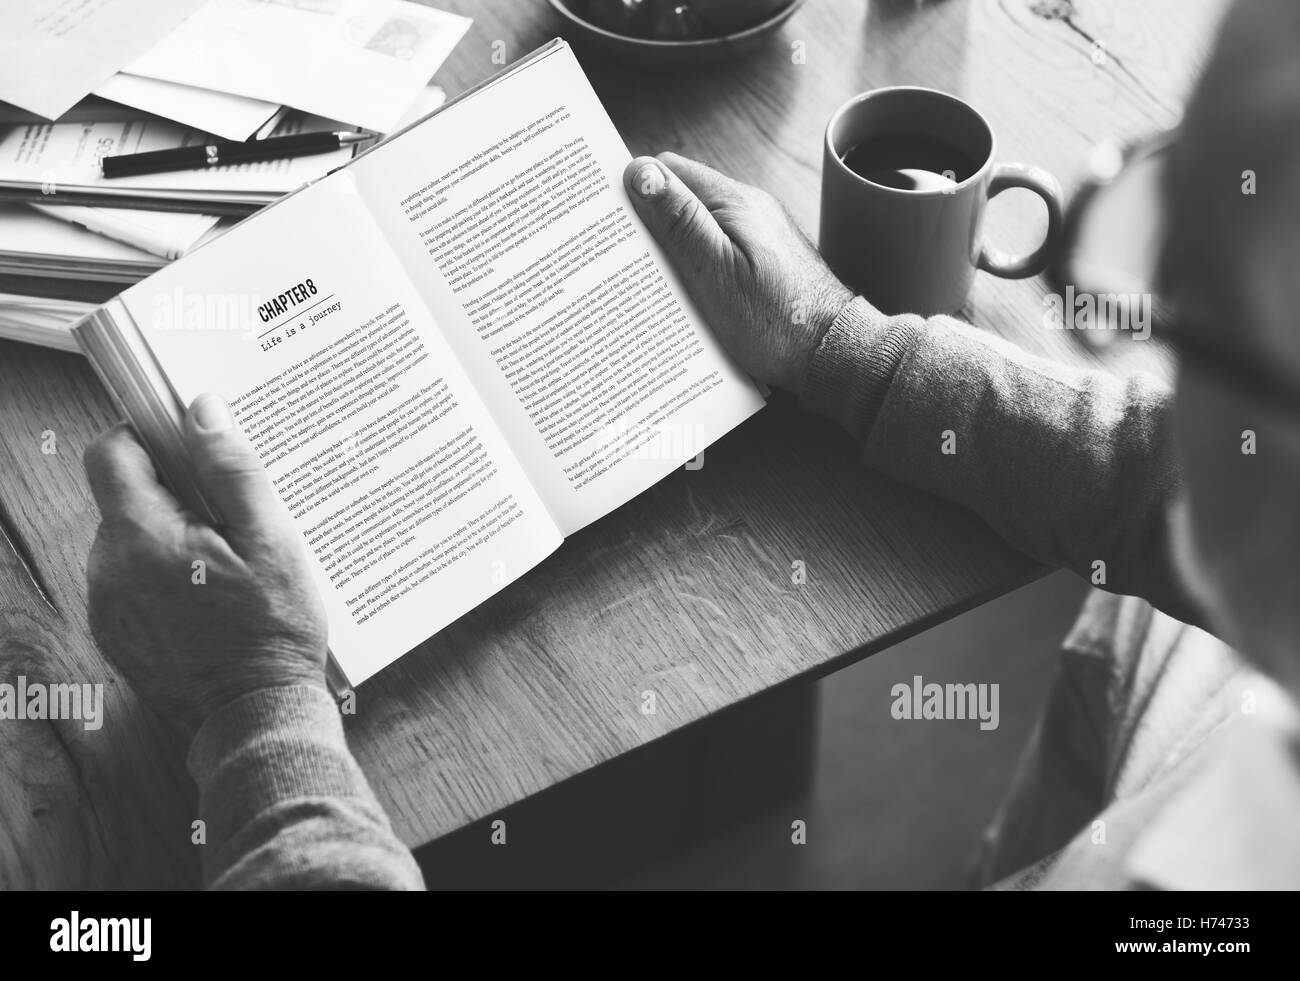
687,591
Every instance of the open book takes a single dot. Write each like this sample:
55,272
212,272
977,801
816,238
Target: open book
450,354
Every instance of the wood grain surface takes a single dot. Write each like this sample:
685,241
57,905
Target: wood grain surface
687,591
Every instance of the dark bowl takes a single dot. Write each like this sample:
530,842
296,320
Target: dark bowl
673,55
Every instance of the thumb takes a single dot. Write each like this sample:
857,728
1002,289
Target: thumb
678,220
229,471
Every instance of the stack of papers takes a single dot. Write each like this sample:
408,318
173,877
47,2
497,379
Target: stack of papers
358,61
58,163
83,79
37,320
34,244
231,117
166,234
223,66
54,52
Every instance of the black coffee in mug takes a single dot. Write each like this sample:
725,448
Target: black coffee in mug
910,161
906,175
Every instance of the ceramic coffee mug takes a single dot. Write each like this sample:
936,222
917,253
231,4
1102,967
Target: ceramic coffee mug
916,251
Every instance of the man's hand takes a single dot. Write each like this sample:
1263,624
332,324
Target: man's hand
759,282
189,637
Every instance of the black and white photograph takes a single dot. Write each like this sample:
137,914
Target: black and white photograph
650,446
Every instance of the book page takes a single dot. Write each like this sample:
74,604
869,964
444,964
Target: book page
405,491
508,209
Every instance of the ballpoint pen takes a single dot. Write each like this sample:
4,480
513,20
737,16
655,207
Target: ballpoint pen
221,152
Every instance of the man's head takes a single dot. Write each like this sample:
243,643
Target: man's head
1232,261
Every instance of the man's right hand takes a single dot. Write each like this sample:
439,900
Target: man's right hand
764,289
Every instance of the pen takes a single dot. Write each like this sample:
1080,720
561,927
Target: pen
219,152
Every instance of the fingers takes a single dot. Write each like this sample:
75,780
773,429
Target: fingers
123,480
229,471
714,188
678,219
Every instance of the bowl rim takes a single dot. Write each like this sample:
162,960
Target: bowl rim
700,42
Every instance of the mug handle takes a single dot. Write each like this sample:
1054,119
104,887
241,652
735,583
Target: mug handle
1043,184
